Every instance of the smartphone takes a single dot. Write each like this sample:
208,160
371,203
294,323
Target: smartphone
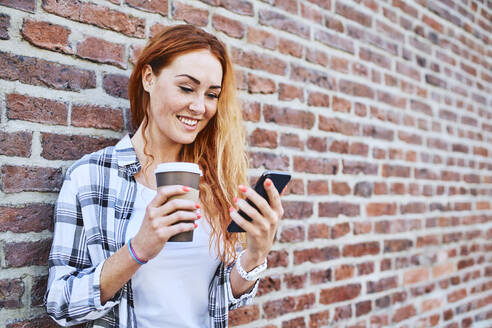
279,179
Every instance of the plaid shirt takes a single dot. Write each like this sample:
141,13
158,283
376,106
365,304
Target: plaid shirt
91,216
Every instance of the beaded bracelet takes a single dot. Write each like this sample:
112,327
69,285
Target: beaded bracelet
132,253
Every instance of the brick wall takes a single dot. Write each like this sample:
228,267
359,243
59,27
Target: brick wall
381,109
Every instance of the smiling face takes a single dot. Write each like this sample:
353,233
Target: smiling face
183,97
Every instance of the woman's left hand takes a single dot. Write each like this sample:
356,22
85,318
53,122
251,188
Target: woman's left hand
261,230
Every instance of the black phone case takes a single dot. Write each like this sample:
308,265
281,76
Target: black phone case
279,179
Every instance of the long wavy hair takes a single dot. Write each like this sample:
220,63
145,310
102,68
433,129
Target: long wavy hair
219,149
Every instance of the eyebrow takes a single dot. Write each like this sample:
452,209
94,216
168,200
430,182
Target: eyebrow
198,82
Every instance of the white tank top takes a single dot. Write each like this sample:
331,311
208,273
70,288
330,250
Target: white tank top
171,290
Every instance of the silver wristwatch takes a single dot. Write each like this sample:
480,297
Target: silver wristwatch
254,274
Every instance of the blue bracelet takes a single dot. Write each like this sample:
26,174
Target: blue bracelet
132,253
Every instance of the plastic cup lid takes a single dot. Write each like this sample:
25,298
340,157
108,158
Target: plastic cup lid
178,167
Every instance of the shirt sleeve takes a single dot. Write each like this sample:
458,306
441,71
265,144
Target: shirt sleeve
221,299
73,292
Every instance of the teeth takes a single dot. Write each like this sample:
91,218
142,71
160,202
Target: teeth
188,121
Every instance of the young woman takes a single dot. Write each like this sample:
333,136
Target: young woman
111,264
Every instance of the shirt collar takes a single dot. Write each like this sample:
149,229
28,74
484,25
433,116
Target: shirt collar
126,154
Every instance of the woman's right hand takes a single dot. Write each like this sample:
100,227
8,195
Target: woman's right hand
161,221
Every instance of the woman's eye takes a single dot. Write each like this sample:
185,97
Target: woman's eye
185,89
213,95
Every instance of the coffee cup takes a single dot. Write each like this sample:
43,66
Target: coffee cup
180,173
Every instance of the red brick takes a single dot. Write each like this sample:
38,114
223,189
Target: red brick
291,140
356,89
365,268
312,76
316,255
339,294
297,209
361,249
417,275
244,315
283,23
242,7
319,230
314,165
379,209
262,38
352,13
338,146
397,245
259,61
39,110
317,187
269,161
344,272
431,304
11,291
317,144
408,70
295,187
278,258
363,189
335,41
27,253
268,284
340,230
292,234
295,281
317,57
102,51
340,188
343,312
288,47
251,111
361,228
47,35
320,276
229,26
339,126
273,309
38,289
4,27
395,171
90,116
311,13
382,284
71,147
290,92
374,57
457,295
116,85
356,167
39,72
318,99
15,144
403,313
288,116
26,5
23,178
341,105
257,84
413,208
294,323
319,319
263,138
362,308
98,15
190,14
334,209
34,217
359,148
339,64
159,6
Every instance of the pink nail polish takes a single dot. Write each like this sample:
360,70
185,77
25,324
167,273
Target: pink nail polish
231,209
235,199
269,182
186,189
243,188
196,225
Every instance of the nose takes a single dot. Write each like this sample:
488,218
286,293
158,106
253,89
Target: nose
198,105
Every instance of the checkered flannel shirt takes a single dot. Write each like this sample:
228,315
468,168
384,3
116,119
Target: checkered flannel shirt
91,216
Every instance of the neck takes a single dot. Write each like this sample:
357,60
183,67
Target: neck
162,150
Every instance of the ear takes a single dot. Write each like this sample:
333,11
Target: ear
147,78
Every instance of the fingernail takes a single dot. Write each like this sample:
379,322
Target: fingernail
242,188
231,209
196,225
269,182
186,189
235,199
198,215
197,205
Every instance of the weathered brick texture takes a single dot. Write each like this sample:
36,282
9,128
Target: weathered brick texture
380,109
